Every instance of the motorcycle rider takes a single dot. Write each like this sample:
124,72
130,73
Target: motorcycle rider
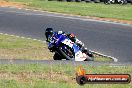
49,33
80,44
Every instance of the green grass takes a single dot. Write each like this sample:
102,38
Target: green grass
12,47
55,76
84,9
11,42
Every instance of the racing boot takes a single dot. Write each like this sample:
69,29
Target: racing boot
86,51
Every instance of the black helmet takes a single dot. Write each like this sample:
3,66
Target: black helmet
48,31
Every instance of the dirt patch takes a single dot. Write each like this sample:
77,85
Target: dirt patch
112,20
27,77
25,53
6,3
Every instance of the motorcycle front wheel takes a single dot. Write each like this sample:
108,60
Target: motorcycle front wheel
67,53
57,57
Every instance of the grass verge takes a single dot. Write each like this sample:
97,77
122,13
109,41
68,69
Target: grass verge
84,9
12,47
55,76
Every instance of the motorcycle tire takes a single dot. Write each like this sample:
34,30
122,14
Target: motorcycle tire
122,2
90,56
65,55
57,57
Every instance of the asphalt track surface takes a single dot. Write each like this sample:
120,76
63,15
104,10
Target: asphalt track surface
113,39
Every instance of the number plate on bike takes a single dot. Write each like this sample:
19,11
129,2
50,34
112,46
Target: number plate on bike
68,42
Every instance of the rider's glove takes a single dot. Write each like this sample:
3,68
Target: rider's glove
51,49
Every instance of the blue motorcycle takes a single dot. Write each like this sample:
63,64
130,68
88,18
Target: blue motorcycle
64,48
